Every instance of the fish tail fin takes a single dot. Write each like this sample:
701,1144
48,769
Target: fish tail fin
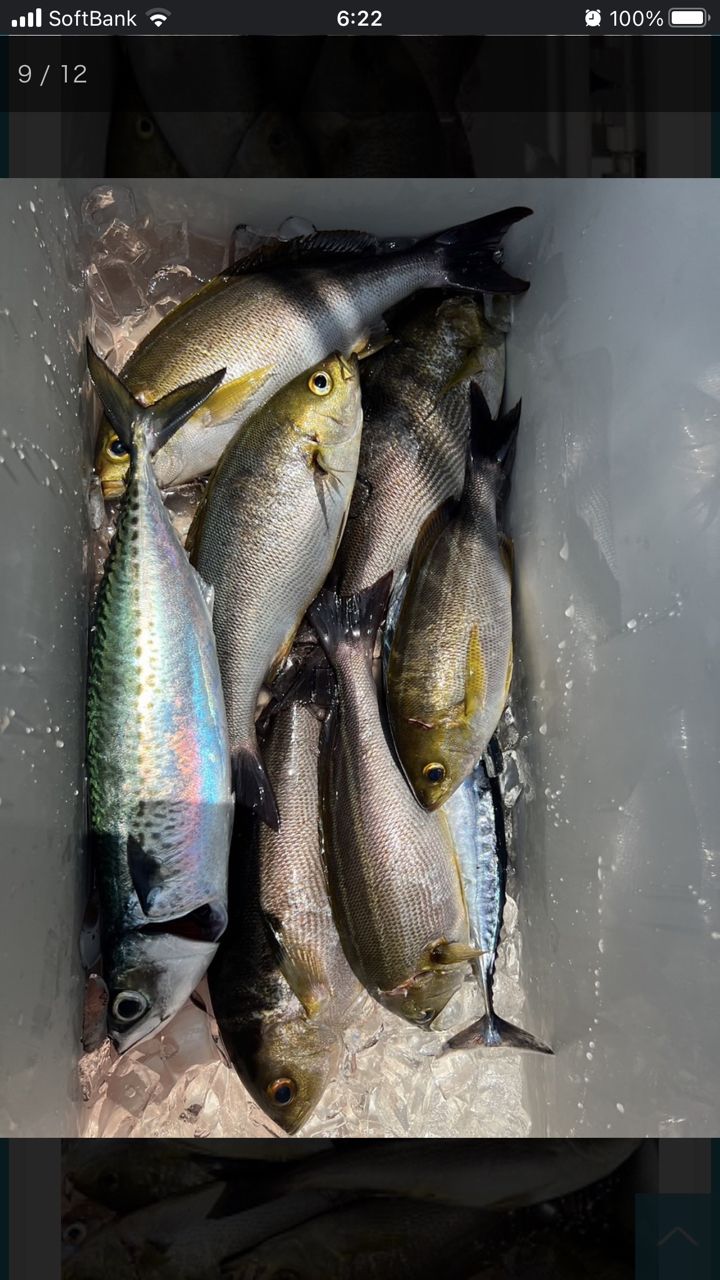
350,621
162,419
120,405
166,416
492,439
252,785
492,1032
470,255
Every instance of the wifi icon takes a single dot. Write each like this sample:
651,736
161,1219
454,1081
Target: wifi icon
157,16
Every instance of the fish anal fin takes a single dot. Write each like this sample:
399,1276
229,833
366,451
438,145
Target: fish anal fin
475,678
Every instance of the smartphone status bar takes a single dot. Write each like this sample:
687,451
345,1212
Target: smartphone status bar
397,17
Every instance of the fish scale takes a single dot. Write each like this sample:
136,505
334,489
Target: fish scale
412,456
450,662
268,319
158,766
267,531
392,873
282,1006
151,668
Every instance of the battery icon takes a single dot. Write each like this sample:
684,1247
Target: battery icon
687,17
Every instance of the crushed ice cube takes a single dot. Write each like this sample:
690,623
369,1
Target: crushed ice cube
104,204
122,243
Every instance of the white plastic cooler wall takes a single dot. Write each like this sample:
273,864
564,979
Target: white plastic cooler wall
616,521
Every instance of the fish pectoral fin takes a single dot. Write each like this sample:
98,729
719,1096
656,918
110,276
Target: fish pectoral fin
472,365
475,680
146,873
442,954
225,403
301,969
326,479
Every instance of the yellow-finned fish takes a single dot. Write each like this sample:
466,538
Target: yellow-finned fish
450,664
417,416
281,310
265,537
392,870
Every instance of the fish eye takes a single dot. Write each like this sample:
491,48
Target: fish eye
320,383
434,772
128,1006
74,1233
145,127
282,1092
115,448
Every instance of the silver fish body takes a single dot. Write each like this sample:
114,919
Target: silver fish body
158,760
449,669
371,1240
178,1239
269,319
392,873
417,414
281,987
475,815
266,537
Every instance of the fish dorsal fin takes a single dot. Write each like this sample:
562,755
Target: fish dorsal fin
301,970
322,246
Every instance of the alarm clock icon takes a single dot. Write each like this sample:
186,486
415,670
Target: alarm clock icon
592,17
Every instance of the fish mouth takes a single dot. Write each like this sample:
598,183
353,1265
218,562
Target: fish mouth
111,489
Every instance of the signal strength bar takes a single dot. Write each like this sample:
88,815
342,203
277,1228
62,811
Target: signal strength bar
33,19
